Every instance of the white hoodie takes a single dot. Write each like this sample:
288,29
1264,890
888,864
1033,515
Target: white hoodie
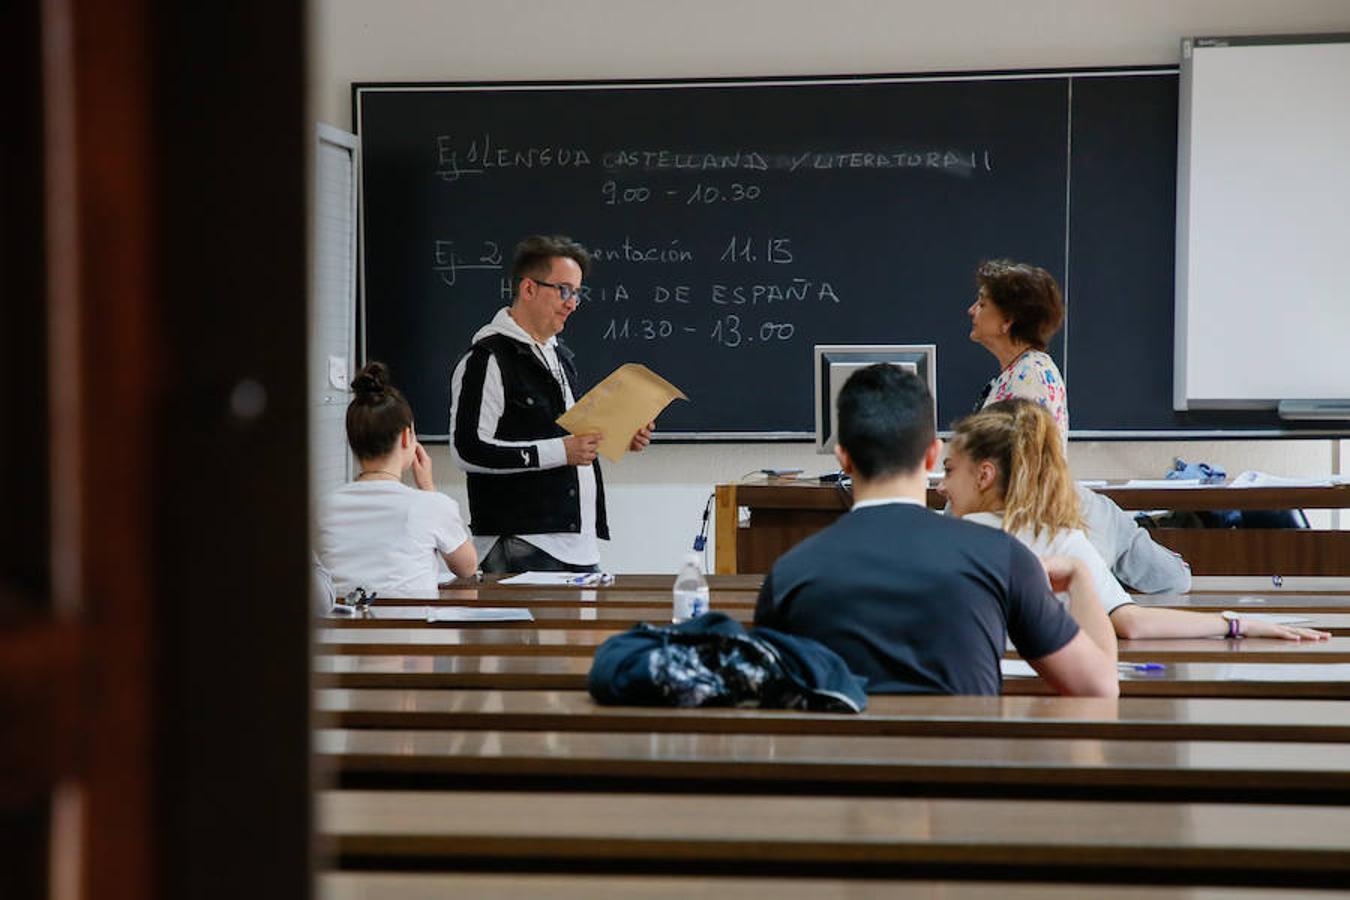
581,548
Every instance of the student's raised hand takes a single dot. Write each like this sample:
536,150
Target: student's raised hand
1256,628
582,448
422,468
642,438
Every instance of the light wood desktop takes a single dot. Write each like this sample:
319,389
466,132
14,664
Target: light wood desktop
1138,842
1131,718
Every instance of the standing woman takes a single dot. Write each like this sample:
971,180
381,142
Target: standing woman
1005,468
376,532
1018,310
1016,313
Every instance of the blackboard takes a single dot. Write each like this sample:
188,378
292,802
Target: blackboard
738,223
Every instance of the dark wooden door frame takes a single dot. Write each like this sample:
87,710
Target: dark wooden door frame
154,372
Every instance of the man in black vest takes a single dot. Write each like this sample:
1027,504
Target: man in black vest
536,498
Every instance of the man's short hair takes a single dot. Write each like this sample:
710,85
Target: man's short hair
535,255
885,420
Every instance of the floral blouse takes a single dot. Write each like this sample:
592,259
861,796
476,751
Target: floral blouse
1032,376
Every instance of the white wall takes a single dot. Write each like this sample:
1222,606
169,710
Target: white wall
656,497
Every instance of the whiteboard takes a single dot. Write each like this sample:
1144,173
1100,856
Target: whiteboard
1263,222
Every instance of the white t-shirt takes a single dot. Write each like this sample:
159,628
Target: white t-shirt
385,536
1074,544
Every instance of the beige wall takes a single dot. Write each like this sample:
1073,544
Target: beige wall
656,498
362,40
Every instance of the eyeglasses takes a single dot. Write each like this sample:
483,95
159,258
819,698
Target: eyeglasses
565,291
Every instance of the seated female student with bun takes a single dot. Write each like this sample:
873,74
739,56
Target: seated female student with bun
376,532
1005,467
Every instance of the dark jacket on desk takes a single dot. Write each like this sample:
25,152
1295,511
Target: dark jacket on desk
713,661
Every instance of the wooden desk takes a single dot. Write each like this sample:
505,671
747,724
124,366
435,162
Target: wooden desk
855,836
1136,718
783,513
1328,681
1282,604
718,596
443,641
581,616
1064,768
1243,650
1209,497
1255,600
515,886
582,641
633,582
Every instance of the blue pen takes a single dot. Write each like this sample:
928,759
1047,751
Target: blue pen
1144,667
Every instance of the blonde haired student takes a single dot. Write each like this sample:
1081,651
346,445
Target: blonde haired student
376,532
1005,467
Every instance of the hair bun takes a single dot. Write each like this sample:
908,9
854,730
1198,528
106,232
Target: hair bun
373,379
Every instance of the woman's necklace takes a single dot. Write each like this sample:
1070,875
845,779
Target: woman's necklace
1021,353
378,472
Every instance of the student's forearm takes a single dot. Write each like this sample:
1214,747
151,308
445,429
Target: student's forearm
463,560
1087,611
1133,622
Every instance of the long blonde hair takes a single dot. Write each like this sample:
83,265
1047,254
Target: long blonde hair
1026,447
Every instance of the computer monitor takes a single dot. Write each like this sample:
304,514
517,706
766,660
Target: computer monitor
835,362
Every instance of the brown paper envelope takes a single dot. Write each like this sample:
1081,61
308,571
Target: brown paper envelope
629,397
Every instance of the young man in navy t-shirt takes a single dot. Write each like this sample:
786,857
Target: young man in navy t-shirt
922,603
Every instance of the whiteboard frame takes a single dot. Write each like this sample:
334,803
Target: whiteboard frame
1181,401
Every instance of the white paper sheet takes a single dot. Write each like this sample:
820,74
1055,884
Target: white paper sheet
478,614
560,579
1250,478
1016,668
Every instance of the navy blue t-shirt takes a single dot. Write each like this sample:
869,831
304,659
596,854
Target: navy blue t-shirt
917,602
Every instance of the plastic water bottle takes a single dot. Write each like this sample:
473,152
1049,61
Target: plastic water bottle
691,591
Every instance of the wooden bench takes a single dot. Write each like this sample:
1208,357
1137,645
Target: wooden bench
692,834
1139,718
515,718
1065,768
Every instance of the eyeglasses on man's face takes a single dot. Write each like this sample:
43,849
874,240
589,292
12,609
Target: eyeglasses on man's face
565,291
